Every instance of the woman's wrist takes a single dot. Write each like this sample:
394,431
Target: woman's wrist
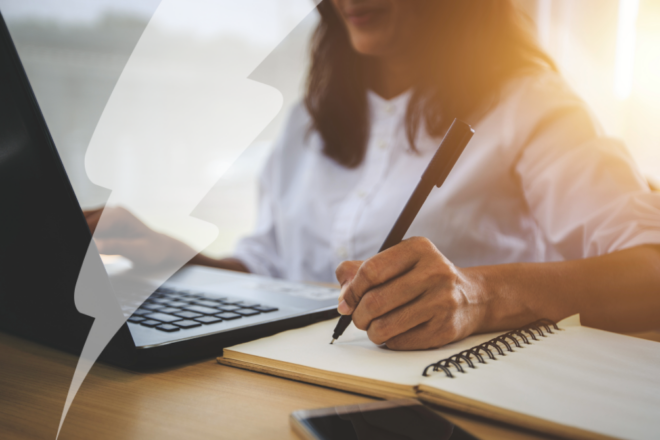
476,286
499,304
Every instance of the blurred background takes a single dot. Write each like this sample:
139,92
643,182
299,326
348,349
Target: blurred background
74,52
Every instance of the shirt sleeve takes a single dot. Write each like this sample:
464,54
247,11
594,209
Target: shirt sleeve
259,251
583,189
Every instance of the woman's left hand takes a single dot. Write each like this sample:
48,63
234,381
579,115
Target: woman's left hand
410,297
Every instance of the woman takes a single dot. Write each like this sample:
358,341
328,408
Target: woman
542,217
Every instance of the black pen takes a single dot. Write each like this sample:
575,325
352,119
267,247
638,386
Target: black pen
450,149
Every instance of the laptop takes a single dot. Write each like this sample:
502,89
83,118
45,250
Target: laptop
44,240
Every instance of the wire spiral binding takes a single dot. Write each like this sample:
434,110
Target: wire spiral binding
525,333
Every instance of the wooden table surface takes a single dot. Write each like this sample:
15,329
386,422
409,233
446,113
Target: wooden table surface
199,400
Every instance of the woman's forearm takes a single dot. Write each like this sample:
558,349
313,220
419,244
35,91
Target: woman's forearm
618,291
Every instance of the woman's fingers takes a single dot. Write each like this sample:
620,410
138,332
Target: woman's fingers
387,297
379,269
399,321
434,319
424,336
345,273
409,296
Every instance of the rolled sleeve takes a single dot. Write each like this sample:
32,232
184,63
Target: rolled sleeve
584,190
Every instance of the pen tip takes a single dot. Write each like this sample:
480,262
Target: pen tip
333,341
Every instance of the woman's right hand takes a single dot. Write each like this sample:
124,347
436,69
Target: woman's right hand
117,231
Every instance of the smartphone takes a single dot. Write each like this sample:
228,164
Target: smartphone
387,420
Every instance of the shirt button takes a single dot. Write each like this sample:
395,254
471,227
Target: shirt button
341,251
382,144
362,194
389,109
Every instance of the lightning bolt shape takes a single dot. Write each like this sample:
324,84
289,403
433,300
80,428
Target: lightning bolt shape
202,109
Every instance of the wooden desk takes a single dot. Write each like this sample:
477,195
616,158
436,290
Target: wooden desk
195,401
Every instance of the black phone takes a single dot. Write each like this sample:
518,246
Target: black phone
387,420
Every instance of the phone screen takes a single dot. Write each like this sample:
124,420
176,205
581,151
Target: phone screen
413,422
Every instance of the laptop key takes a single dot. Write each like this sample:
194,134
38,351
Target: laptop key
230,308
247,312
177,303
208,319
136,319
162,317
150,323
247,304
159,300
187,323
170,310
207,303
201,309
140,312
227,316
152,306
188,314
192,294
168,328
266,309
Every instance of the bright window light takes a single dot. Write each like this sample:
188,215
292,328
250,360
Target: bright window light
625,48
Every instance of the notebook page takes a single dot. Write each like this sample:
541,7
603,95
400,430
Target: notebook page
353,354
580,377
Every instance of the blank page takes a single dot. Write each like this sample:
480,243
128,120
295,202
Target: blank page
352,354
580,377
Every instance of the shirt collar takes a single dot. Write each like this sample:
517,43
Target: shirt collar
381,108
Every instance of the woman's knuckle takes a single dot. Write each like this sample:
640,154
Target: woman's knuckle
360,322
341,269
374,301
369,271
387,329
375,333
423,243
392,344
373,338
395,343
351,297
399,342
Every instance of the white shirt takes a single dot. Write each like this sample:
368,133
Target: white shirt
537,182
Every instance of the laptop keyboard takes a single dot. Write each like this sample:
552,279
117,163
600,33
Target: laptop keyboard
169,310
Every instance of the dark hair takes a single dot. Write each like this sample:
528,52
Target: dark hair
469,49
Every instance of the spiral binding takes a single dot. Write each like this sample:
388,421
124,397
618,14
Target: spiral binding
508,339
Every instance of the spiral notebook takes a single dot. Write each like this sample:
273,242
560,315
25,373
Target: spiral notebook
566,380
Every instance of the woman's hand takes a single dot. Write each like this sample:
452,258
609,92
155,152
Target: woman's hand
410,297
118,232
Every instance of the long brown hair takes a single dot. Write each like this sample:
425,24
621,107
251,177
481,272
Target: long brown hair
470,49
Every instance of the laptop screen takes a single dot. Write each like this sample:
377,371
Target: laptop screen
43,233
